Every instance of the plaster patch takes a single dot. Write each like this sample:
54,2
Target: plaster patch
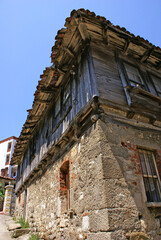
85,223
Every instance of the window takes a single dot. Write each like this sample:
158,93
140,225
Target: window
150,175
64,187
66,98
7,159
57,107
62,105
140,89
157,84
9,146
134,76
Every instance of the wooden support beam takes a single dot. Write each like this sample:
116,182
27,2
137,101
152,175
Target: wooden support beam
130,114
84,32
47,89
66,139
33,117
152,119
158,66
127,43
68,51
61,71
42,101
25,134
29,110
146,54
105,35
29,126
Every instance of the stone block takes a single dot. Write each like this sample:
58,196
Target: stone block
99,236
118,194
20,232
139,236
85,223
123,218
14,226
99,220
116,235
111,168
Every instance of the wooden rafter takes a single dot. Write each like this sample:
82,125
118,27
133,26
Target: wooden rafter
68,51
158,66
47,89
127,43
84,32
42,101
105,35
146,54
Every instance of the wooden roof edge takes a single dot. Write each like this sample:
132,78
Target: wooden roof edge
59,39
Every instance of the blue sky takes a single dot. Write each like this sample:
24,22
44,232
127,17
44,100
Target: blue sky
28,29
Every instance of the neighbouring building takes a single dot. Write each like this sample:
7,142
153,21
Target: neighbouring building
4,181
6,152
89,154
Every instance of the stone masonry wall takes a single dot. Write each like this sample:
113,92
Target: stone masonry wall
123,176
107,198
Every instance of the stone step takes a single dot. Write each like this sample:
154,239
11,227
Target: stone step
19,232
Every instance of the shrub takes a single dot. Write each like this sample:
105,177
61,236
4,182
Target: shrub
23,223
33,237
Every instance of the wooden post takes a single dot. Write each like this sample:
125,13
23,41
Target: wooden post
7,200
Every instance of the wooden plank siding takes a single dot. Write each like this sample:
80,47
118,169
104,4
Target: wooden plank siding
108,80
50,129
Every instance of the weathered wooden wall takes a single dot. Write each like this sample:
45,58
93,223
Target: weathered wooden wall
82,89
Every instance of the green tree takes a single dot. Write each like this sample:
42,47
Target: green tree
2,191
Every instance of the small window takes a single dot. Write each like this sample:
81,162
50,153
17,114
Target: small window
66,98
157,84
7,159
133,76
150,175
64,187
57,107
9,146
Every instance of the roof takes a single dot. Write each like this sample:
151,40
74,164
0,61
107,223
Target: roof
8,139
7,178
70,41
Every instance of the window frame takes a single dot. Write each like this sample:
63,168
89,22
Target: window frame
144,84
149,89
154,174
9,146
151,75
7,157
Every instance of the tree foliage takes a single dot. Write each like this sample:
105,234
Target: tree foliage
2,191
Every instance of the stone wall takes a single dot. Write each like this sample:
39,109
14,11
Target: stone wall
106,198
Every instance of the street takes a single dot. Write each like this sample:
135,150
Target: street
4,233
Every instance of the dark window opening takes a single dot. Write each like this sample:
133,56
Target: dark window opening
150,175
64,187
157,84
9,146
7,159
134,77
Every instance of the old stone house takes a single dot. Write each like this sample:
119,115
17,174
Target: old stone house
89,154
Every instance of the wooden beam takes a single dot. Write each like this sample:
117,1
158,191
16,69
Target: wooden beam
84,32
47,89
130,114
29,126
68,51
61,71
25,134
158,66
127,43
33,117
105,35
42,101
146,55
